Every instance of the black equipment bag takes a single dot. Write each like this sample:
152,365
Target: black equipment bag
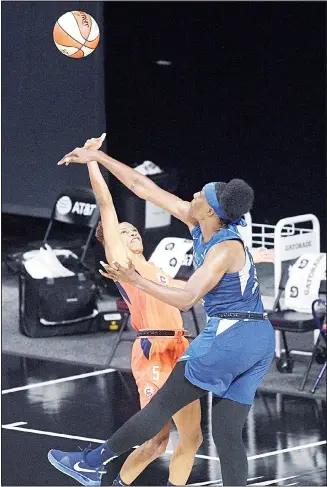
58,306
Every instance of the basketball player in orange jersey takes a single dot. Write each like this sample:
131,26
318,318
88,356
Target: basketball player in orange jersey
160,341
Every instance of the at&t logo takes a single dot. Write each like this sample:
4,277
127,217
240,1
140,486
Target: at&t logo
85,209
65,205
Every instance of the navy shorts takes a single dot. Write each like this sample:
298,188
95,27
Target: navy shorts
229,358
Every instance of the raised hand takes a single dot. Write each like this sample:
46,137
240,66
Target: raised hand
117,272
79,155
95,143
83,155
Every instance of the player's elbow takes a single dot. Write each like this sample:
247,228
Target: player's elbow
184,308
188,302
187,307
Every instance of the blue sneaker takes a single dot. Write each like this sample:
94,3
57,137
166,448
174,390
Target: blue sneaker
75,465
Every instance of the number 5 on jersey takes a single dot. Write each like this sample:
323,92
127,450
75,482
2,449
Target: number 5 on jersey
155,372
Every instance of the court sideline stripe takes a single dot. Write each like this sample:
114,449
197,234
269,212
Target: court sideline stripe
271,482
57,381
12,426
209,482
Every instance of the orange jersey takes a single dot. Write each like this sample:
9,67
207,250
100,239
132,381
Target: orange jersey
146,311
153,360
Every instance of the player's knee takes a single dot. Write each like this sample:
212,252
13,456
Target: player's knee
192,440
197,438
221,438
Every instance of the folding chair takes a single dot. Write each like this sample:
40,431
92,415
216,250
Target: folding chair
73,206
321,338
323,369
288,321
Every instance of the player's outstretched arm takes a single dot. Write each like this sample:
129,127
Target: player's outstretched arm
141,185
202,281
115,248
146,189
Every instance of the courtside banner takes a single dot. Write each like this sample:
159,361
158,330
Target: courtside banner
295,245
303,285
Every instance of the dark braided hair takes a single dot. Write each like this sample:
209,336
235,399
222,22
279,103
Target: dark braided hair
235,198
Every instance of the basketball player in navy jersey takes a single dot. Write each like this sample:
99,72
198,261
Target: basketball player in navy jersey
232,353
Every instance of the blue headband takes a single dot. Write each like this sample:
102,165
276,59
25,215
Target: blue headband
211,197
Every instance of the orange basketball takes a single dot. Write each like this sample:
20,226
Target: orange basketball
76,34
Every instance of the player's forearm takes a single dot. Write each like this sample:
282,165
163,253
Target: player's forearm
179,298
141,185
181,285
99,186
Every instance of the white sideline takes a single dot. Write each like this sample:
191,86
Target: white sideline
15,427
57,381
209,482
285,450
270,482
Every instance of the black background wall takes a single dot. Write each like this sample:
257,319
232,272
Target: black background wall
244,96
50,104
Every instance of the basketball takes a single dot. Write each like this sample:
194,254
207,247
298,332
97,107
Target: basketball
76,34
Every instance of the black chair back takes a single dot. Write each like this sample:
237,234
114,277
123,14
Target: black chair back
76,206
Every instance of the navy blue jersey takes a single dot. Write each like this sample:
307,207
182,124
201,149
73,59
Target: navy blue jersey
236,291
